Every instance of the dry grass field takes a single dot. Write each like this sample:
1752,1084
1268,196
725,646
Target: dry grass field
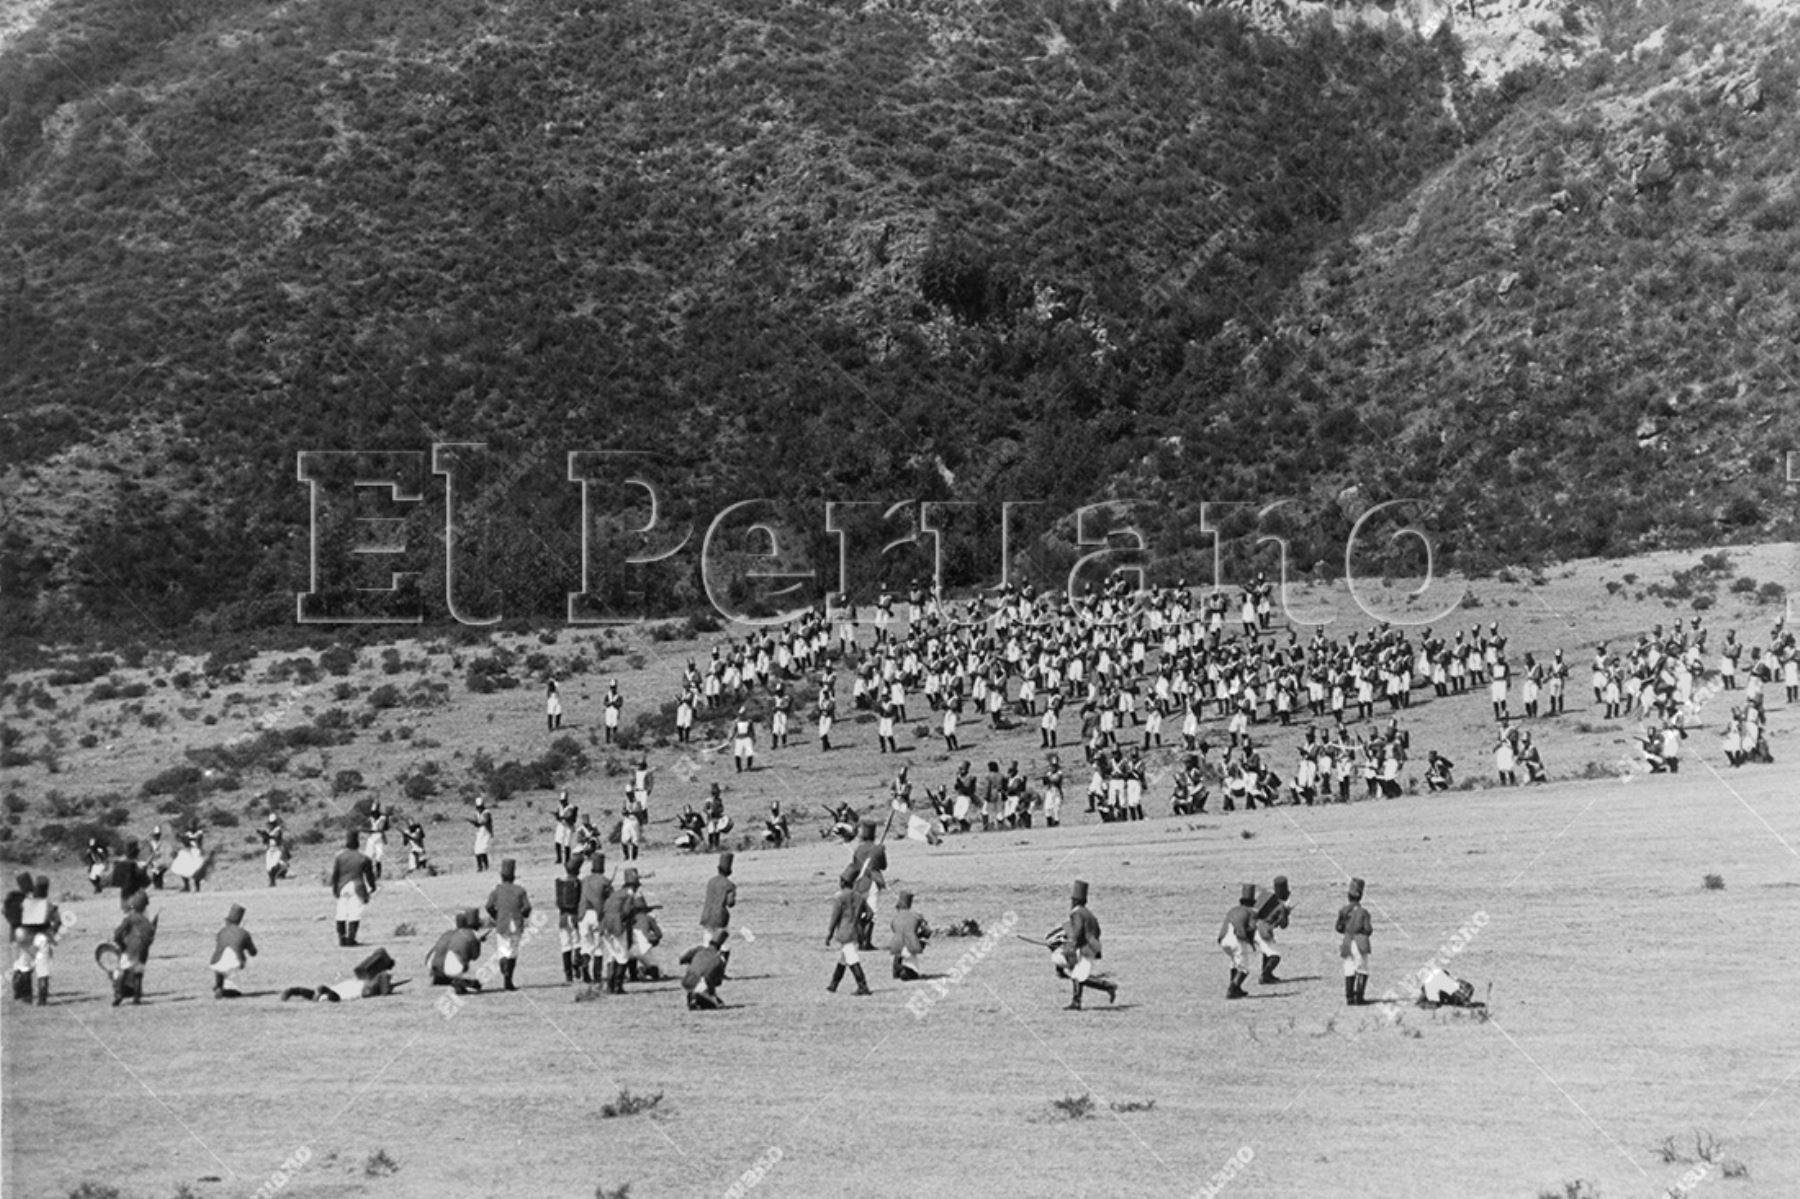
1634,1011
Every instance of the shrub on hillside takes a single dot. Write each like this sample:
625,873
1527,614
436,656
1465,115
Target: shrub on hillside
339,660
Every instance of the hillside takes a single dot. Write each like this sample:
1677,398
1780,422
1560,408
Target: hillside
1043,251
1576,337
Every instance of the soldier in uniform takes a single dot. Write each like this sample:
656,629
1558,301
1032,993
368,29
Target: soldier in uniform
1080,949
452,959
705,971
568,918
352,882
233,947
911,932
21,945
1354,923
129,874
743,742
483,820
133,938
620,934
715,909
412,838
844,932
867,875
615,704
717,824
375,847
40,923
1237,937
596,888
566,813
1271,915
275,849
508,907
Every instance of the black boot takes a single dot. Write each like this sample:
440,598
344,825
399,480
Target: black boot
896,965
862,982
1268,969
1236,989
1075,1000
837,976
1362,988
43,992
342,938
350,929
1350,991
21,984
120,987
568,957
506,972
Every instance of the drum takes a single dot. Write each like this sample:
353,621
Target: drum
107,957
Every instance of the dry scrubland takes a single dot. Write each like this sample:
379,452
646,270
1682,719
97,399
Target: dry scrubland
1630,1003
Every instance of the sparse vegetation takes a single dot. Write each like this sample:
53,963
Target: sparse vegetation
1073,1107
1713,882
628,1104
380,1165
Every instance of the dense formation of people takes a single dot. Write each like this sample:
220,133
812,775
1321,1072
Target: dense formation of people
1151,676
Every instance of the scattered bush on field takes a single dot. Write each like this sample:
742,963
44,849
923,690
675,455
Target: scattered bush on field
380,1165
1073,1107
1714,882
1579,1188
628,1104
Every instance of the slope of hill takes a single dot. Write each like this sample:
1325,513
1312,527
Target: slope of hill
812,252
1576,337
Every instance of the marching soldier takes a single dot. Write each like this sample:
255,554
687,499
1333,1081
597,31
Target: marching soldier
1271,915
129,874
233,948
352,882
568,916
596,889
1354,923
508,907
715,910
844,932
40,923
1237,937
867,875
133,938
1081,949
